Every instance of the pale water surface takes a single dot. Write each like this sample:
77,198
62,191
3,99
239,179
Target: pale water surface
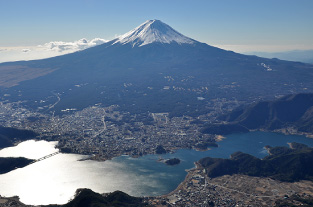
55,180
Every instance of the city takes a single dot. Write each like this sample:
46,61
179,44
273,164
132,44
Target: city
105,132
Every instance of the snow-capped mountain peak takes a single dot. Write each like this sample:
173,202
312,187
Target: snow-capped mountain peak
153,31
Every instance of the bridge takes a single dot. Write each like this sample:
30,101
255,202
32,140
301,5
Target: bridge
45,157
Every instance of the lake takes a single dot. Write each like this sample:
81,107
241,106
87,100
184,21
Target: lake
55,180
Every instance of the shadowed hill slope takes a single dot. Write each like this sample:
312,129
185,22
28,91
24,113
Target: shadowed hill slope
291,110
282,164
88,198
8,135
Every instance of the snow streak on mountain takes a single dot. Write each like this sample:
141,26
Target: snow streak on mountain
153,31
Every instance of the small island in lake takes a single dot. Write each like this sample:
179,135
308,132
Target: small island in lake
173,161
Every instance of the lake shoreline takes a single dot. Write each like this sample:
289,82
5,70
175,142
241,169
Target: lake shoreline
140,177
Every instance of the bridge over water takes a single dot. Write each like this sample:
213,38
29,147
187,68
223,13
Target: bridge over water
45,157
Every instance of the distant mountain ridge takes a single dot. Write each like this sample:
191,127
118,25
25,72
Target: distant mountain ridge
305,56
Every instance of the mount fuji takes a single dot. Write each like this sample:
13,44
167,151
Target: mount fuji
153,31
152,68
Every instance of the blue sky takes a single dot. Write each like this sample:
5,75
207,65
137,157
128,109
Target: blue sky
252,25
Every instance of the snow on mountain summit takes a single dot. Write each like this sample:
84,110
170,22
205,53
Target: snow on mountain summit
153,31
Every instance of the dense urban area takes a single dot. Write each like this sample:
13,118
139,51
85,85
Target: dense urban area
106,132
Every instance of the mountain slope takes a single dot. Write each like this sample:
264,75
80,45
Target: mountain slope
9,135
291,110
154,68
291,165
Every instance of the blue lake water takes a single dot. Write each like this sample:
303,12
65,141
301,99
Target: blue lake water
55,180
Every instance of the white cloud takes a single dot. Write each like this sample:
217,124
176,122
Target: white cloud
72,46
50,49
26,50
